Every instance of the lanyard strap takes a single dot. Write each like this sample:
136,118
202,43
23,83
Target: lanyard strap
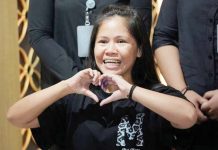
90,4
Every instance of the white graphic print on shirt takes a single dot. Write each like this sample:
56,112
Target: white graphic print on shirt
131,131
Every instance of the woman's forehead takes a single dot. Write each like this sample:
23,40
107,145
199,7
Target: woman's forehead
114,24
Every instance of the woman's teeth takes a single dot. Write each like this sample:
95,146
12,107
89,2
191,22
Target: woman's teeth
112,61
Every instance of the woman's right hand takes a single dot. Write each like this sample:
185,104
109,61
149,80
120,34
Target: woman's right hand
81,81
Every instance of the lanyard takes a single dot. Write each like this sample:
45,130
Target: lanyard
90,4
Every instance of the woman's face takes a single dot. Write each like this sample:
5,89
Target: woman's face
115,48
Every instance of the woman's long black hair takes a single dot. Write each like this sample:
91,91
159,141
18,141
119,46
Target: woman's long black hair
143,73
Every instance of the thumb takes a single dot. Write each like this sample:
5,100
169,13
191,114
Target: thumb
113,97
208,95
91,95
205,107
202,100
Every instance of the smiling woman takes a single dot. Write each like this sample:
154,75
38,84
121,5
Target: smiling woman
115,48
123,31
117,103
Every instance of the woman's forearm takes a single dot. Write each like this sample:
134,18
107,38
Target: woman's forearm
178,111
30,107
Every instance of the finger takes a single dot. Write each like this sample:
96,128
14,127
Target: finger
201,116
202,100
110,99
212,112
95,79
107,80
89,73
102,79
103,84
106,77
208,94
205,107
91,95
95,75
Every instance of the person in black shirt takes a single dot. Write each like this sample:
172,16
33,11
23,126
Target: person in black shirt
52,32
185,44
118,103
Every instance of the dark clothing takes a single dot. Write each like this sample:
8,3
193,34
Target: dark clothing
192,27
77,123
52,33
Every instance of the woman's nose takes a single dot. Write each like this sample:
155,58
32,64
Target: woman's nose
111,49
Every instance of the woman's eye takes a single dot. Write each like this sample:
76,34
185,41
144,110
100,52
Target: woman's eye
102,41
121,41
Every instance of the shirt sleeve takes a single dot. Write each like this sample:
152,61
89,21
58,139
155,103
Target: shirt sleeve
52,126
179,138
166,30
40,32
158,87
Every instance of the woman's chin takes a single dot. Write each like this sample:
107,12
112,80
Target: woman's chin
110,69
107,71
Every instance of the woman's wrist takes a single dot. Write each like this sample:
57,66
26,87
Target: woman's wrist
185,90
129,95
67,87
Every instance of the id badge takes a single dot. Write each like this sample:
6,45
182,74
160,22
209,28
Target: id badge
83,39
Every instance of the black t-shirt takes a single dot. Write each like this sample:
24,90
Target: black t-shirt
77,123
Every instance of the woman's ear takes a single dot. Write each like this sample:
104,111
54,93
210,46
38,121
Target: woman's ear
139,53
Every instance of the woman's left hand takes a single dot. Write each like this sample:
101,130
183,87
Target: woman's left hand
120,86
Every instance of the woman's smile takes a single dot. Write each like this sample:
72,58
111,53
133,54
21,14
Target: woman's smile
112,63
